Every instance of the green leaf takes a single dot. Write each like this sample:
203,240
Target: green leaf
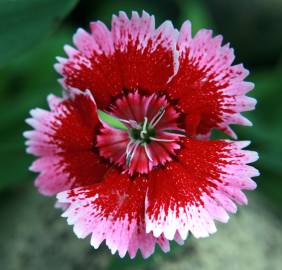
111,120
23,24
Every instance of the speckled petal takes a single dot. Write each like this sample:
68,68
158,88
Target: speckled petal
188,195
112,211
210,89
63,141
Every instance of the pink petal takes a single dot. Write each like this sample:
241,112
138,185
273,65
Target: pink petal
134,55
63,139
189,194
93,65
146,55
211,91
112,211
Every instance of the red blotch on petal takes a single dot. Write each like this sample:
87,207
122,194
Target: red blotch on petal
112,211
188,194
64,140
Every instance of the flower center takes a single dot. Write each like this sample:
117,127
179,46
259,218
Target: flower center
152,136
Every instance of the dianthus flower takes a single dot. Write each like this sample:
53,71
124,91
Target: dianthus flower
156,176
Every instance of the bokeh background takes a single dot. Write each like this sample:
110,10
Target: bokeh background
32,233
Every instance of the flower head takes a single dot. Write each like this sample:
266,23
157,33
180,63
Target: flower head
157,177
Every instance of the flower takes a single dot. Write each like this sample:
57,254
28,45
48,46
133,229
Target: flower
156,176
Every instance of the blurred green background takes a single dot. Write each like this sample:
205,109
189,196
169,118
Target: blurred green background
33,32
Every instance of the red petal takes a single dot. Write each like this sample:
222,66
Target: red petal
134,55
188,194
112,211
210,90
91,67
145,54
67,170
64,140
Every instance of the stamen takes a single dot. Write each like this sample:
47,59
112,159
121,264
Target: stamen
147,151
179,132
127,147
130,153
156,119
161,140
124,121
